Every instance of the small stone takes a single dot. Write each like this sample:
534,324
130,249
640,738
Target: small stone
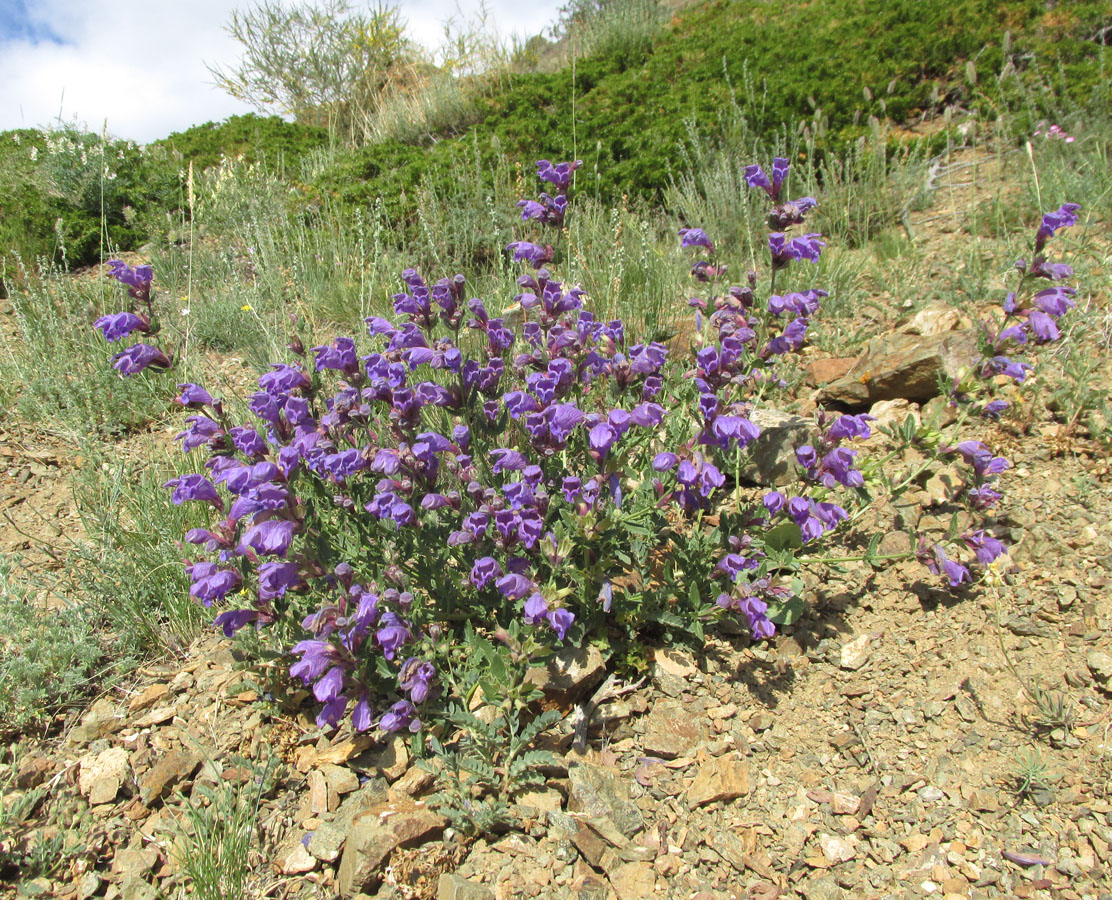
394,758
87,885
855,653
101,719
376,832
600,791
823,371
413,783
156,717
633,881
844,804
930,794
570,673
32,771
836,849
453,887
1100,664
825,888
670,730
149,697
772,455
327,841
676,663
719,779
543,801
100,777
171,769
340,779
293,858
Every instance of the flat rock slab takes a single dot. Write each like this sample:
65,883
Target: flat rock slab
719,779
772,455
600,792
908,366
670,731
176,766
101,775
376,832
570,673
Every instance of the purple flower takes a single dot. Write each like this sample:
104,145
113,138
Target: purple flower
388,505
514,586
316,657
193,395
138,357
138,279
846,427
117,326
985,546
534,254
994,409
560,620
1002,365
275,578
504,459
415,678
485,570
1055,301
201,430
773,501
401,716
194,487
230,622
247,441
1063,217
601,439
329,685
284,379
756,178
647,415
695,237
272,537
558,175
339,355
536,608
210,583
662,462
392,634
1042,326
783,251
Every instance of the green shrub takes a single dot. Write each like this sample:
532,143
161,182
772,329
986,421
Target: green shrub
47,658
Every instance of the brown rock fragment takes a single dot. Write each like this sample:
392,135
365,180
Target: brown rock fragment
719,779
375,833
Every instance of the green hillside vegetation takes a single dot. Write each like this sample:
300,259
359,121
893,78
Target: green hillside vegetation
719,72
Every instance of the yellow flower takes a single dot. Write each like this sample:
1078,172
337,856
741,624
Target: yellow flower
246,307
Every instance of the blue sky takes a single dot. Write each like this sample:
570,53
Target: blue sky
138,68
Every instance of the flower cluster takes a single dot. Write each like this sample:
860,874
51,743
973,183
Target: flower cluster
451,472
1031,312
117,326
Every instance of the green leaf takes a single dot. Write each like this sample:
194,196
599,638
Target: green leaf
789,611
785,536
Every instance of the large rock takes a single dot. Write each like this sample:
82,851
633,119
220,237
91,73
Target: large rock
772,455
569,673
600,792
376,832
908,366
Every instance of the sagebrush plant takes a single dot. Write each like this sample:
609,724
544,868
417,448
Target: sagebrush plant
465,482
47,661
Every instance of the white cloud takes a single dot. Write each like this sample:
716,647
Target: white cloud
140,64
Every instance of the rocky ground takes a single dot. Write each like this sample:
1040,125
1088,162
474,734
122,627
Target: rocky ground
898,741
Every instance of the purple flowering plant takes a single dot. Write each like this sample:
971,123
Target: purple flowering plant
450,489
